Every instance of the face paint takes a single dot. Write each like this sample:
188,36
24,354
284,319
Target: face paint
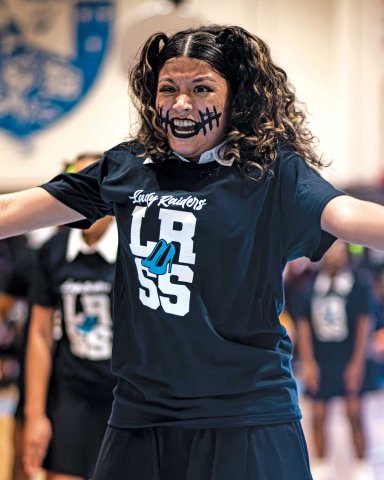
186,128
192,103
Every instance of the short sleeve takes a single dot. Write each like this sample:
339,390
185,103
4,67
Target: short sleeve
81,191
364,296
303,195
22,276
300,304
41,290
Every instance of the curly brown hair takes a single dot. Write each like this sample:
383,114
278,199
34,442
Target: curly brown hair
265,113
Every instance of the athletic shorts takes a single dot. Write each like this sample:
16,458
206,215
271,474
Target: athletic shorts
78,426
275,452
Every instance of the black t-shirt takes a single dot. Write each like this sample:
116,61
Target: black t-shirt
19,285
332,307
82,291
23,273
10,251
198,289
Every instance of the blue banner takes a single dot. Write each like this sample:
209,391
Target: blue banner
39,86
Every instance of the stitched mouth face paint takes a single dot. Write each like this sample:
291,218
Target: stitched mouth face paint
186,128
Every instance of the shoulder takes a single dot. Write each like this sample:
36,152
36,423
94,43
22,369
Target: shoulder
126,167
131,150
121,159
291,165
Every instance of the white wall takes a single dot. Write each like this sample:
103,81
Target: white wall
331,49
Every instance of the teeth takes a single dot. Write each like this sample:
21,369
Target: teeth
184,123
185,131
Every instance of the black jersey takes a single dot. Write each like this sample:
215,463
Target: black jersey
19,285
332,307
198,290
80,286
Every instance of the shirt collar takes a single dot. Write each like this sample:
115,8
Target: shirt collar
106,246
210,156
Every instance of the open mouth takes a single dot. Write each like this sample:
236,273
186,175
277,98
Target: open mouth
183,128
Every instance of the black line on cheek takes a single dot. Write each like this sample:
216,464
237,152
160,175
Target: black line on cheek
202,122
160,115
216,116
164,121
167,121
209,118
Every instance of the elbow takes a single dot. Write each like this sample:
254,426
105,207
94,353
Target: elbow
339,218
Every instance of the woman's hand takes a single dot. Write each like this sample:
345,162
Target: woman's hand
310,375
37,435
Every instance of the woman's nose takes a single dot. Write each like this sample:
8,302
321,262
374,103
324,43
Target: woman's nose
182,103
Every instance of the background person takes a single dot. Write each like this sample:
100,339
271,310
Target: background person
69,385
334,323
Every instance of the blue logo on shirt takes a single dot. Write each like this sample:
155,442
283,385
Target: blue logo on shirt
88,324
38,85
161,258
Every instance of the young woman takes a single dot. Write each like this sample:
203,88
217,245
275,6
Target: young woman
217,193
334,322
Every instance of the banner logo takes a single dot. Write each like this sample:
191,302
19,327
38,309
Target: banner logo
49,59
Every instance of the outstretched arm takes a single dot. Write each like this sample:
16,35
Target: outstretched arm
355,221
31,209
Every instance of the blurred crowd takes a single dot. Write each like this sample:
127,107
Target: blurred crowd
335,317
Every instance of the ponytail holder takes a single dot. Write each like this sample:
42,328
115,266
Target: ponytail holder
154,50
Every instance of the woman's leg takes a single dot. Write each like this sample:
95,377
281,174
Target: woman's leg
354,415
362,469
319,416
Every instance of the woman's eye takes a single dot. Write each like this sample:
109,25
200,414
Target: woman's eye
202,89
167,88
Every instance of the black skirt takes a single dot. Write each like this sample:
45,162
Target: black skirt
78,425
275,452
